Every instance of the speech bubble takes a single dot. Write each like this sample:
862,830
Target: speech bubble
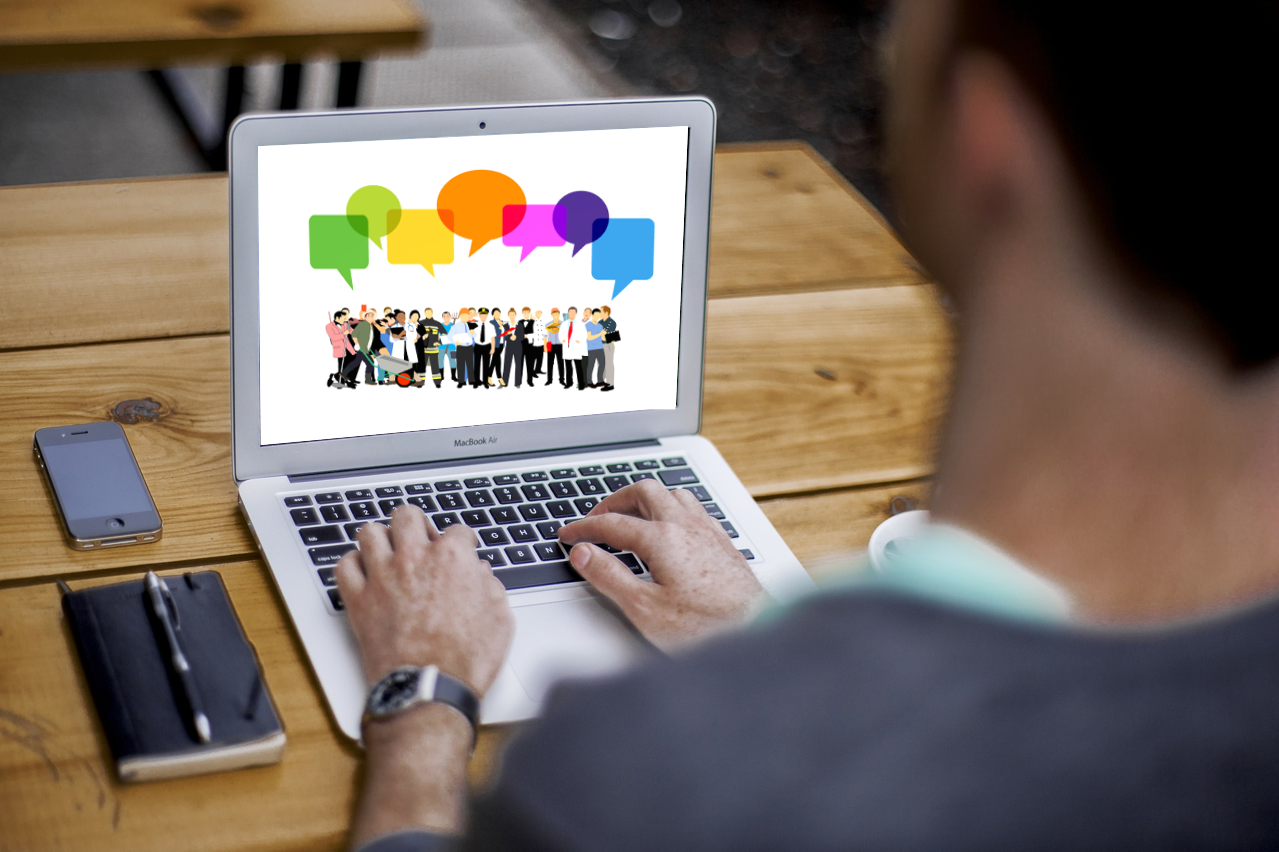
624,253
423,238
478,199
584,220
337,243
531,226
378,206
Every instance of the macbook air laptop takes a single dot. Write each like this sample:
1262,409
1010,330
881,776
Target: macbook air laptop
496,314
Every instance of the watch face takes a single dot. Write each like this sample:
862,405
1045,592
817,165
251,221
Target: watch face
395,691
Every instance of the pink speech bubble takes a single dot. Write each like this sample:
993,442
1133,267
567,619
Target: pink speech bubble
530,226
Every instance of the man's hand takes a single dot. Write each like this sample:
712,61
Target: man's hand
418,597
701,583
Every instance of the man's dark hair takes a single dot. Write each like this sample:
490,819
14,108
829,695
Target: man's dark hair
1164,112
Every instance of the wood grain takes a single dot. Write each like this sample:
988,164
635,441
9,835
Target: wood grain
150,33
148,258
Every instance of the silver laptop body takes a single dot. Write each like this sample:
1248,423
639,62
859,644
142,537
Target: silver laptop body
315,460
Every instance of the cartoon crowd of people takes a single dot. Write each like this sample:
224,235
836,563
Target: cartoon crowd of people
478,348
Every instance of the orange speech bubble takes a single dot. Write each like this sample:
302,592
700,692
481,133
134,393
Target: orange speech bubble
476,199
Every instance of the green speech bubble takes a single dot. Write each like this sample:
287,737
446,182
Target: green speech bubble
375,205
338,242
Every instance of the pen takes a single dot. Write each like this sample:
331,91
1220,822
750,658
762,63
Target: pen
160,599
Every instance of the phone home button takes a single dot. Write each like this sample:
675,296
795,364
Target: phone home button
115,523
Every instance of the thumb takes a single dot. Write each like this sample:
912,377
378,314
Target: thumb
607,574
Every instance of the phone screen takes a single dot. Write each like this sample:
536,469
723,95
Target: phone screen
94,479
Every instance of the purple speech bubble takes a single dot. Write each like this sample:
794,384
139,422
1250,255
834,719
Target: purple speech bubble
584,219
531,226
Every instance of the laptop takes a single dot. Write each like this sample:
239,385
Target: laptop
496,314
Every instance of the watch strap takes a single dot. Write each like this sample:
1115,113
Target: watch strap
433,685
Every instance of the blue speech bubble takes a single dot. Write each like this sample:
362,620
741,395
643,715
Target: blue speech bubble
623,253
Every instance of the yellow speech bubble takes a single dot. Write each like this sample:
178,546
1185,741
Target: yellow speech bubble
423,238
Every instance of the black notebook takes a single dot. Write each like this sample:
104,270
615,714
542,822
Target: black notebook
141,715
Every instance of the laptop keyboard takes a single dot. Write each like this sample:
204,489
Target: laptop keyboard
514,515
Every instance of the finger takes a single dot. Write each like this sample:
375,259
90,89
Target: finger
350,576
646,499
408,529
460,538
692,504
607,574
375,547
622,531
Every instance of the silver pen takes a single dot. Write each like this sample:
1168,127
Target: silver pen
166,624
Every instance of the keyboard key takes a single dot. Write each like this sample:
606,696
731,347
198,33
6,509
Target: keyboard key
648,464
426,504
492,537
522,534
728,528
561,509
507,495
541,574
548,551
648,474
535,492
678,476
548,528
616,483
334,514
329,497
479,499
506,479
593,470
475,518
328,576
352,530
607,548
520,554
359,494
700,493
363,511
505,515
563,473
585,504
336,600
320,535
714,511
418,488
329,555
304,517
534,512
389,506
619,467
492,556
535,476
389,491
678,461
590,486
750,557
630,560
451,501
448,485
477,482
297,500
562,489
444,520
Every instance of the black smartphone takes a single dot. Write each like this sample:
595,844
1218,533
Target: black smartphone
96,483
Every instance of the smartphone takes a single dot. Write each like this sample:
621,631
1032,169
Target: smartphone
96,483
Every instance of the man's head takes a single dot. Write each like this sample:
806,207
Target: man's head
340,315
429,313
527,313
555,314
463,315
369,316
572,313
606,311
387,311
597,315
537,314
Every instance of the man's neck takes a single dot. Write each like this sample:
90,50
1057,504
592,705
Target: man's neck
1124,464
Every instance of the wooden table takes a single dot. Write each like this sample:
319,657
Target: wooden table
108,284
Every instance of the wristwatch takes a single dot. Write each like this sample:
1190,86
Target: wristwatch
409,686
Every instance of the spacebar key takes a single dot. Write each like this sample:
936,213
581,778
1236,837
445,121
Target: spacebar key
542,574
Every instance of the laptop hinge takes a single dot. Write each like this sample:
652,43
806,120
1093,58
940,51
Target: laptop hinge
508,457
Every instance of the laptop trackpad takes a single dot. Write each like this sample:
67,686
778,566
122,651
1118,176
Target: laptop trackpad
569,639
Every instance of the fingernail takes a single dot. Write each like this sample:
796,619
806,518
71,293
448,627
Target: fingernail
579,555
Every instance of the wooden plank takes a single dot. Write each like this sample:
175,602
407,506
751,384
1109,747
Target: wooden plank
151,33
57,787
782,426
148,258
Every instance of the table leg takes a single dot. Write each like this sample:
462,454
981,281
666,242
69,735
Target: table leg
291,86
348,83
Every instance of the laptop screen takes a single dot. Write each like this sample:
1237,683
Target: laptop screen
419,284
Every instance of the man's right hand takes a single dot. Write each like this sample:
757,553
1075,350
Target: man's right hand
701,583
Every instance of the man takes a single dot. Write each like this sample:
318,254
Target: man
447,349
1112,424
554,355
527,327
483,350
573,333
430,337
514,355
610,341
595,350
339,334
539,344
365,332
464,348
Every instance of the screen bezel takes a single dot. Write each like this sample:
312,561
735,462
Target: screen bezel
251,459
